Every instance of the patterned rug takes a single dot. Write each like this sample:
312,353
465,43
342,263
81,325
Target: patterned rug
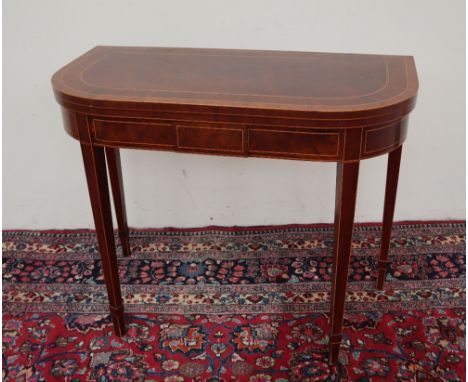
235,304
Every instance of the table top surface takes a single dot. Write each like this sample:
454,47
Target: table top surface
274,80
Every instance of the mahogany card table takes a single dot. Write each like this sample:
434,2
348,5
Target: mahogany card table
329,107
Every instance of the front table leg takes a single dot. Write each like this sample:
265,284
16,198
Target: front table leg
393,170
95,168
346,189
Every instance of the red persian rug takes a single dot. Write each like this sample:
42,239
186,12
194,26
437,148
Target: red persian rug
234,304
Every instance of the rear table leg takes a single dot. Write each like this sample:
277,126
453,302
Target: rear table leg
115,175
393,169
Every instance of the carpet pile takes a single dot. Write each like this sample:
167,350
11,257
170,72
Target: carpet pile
235,304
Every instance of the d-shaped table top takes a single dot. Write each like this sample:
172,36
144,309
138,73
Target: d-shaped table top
308,85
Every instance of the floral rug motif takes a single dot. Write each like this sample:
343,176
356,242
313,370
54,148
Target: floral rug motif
235,304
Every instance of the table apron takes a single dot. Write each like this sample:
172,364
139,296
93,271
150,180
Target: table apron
246,140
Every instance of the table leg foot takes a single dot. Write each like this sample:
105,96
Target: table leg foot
334,348
117,315
125,242
382,273
381,279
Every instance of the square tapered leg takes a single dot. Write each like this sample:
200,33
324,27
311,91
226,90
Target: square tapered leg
115,176
393,169
346,189
95,168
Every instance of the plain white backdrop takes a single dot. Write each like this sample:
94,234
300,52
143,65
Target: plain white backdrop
43,178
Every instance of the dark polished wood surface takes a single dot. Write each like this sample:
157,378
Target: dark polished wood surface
319,83
292,105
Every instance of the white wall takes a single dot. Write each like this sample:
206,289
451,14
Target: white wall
43,178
